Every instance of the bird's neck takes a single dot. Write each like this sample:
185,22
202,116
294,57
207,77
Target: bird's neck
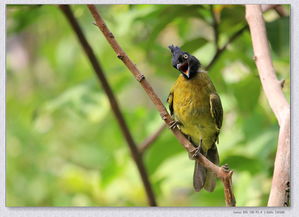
193,74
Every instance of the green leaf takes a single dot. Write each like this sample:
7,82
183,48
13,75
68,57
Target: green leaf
23,16
232,18
247,92
194,44
165,15
165,147
243,163
109,171
279,36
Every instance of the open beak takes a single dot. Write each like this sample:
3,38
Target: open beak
184,68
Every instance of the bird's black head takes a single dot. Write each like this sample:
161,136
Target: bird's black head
184,62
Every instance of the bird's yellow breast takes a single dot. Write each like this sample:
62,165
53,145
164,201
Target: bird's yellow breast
191,107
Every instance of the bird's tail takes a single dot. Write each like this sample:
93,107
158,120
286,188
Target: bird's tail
203,178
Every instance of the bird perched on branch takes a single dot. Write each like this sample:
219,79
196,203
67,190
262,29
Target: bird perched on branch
197,111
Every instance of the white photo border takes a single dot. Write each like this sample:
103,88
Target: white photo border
159,211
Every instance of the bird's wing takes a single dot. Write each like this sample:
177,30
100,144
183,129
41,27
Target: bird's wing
170,102
216,109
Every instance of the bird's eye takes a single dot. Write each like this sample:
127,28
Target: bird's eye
185,56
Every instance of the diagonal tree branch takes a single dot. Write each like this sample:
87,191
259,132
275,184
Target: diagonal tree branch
113,102
278,103
223,173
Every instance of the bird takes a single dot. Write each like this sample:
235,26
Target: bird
197,111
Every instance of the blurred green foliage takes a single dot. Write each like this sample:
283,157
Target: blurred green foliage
64,147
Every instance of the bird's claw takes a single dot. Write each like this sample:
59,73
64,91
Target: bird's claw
173,124
225,167
196,153
197,150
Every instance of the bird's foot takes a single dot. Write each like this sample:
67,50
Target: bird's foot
197,150
225,167
173,124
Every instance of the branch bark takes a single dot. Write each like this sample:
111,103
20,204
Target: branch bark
277,101
224,174
113,102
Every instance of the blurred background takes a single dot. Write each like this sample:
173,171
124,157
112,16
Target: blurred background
63,145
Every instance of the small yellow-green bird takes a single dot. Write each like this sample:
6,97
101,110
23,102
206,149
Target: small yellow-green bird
197,110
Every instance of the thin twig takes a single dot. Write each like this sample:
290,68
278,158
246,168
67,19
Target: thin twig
113,102
277,101
151,139
215,28
278,8
223,48
224,175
